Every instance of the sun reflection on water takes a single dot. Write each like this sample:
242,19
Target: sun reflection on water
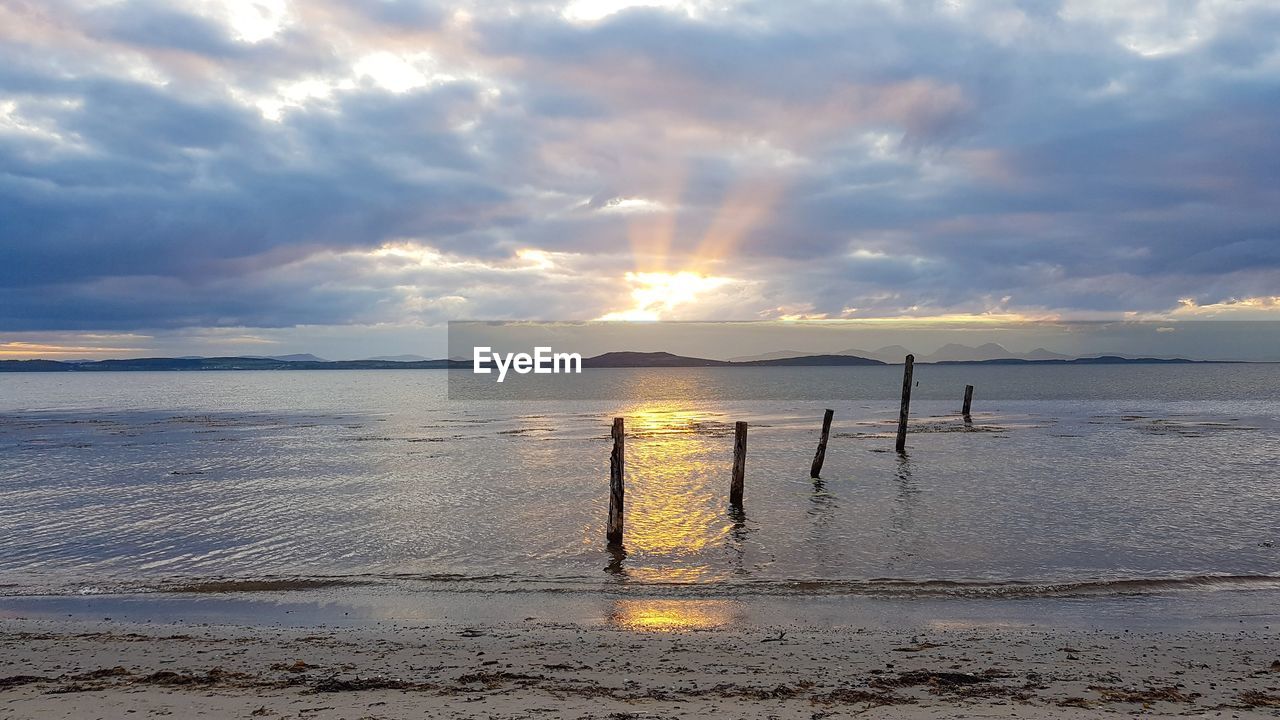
671,615
671,573
675,510
665,419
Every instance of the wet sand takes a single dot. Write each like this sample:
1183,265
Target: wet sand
652,665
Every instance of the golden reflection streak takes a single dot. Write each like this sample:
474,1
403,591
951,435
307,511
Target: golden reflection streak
671,615
672,513
668,510
685,574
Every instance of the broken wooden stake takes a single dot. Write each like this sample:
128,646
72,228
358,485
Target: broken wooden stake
968,400
614,530
821,455
905,408
739,463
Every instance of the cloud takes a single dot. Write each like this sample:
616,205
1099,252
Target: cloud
171,165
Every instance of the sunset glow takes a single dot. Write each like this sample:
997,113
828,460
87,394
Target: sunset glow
655,294
25,350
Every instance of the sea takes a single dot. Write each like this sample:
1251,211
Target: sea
1071,489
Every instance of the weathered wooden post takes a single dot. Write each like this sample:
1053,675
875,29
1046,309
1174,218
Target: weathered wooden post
821,455
905,408
739,463
968,400
614,531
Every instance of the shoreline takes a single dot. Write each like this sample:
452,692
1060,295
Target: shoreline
1220,608
650,668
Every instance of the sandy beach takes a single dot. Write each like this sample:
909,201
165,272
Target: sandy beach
654,669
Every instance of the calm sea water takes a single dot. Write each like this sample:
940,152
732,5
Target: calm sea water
1070,480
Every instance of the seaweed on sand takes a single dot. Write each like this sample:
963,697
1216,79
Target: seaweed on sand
780,692
957,684
337,685
494,679
14,681
1257,698
1149,695
849,696
216,676
931,678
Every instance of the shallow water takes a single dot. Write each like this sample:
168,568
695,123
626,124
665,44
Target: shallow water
1076,481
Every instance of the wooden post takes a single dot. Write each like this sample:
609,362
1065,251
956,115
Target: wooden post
905,408
821,455
614,531
968,400
739,463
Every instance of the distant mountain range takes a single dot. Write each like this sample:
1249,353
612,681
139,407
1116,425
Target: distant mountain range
219,363
665,359
399,358
296,357
306,357
1100,360
951,352
607,360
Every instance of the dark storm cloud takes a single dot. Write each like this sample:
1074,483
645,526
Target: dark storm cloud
171,188
158,170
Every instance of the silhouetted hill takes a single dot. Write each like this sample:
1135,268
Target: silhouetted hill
220,363
964,353
814,361
1101,360
36,365
1043,354
877,357
399,358
648,359
776,355
887,354
665,359
299,357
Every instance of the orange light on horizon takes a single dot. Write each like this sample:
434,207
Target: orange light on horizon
18,350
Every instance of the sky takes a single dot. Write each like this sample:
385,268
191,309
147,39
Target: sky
262,177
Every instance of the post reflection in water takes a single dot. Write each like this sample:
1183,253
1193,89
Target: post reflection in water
822,505
738,540
675,507
902,522
617,556
908,489
672,615
822,514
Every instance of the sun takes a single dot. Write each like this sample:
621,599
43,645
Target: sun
655,294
